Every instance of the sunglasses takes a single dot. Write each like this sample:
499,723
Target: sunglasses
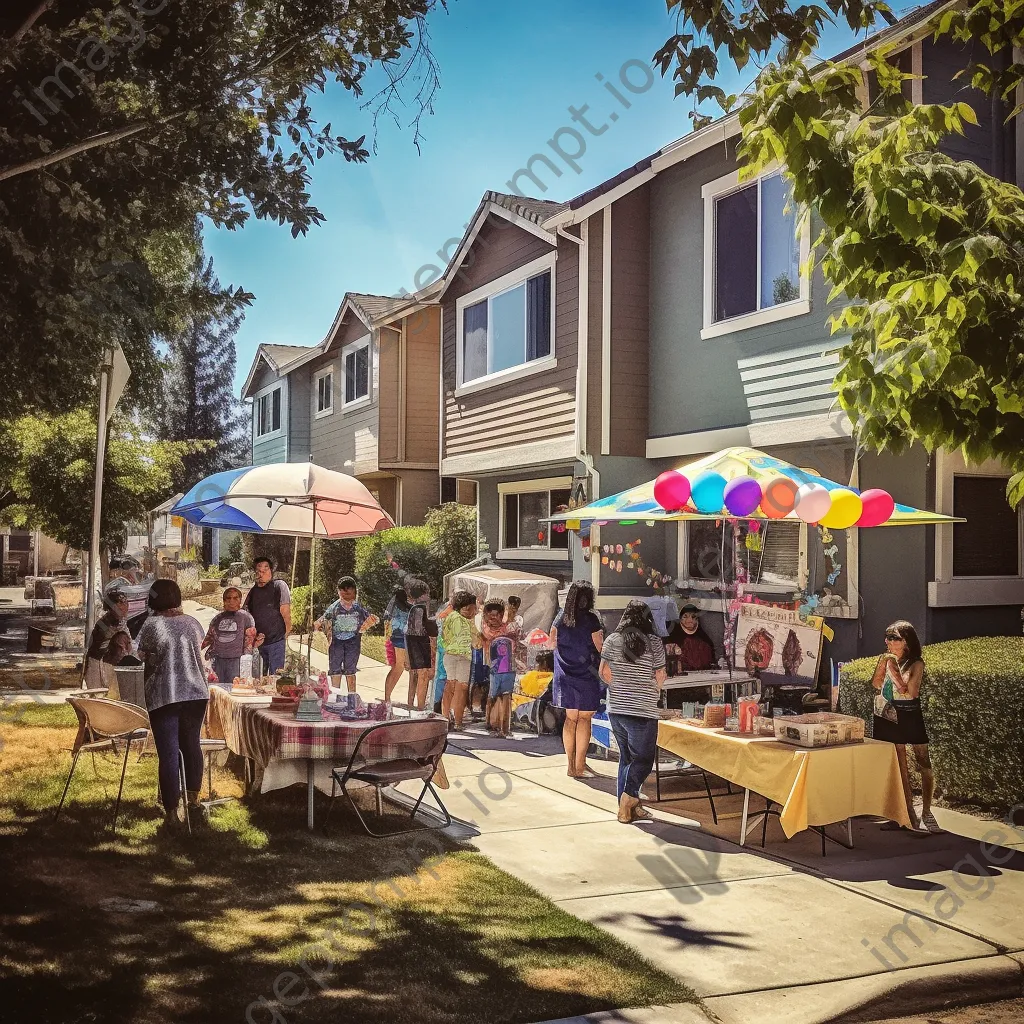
892,636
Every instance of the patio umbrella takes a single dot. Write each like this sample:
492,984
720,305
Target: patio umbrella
734,466
294,499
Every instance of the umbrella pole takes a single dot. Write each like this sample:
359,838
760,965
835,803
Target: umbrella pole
295,559
312,565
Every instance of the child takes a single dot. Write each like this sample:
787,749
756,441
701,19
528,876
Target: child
439,675
232,633
396,616
348,621
499,651
460,636
516,628
420,629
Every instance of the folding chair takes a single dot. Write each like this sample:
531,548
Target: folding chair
415,747
101,723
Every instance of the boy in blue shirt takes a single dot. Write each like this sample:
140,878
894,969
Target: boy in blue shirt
347,620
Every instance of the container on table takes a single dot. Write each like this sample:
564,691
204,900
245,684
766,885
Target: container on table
823,729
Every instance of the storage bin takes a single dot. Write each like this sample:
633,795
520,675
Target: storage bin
819,730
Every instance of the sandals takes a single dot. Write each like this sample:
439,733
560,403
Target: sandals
928,822
640,813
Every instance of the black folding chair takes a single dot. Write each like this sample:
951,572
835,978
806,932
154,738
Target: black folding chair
414,748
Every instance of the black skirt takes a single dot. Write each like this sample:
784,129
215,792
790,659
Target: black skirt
908,728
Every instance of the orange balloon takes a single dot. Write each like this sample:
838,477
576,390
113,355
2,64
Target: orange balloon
778,498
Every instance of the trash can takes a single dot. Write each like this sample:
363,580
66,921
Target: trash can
131,683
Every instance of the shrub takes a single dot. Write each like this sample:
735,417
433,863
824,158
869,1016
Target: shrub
973,704
300,608
334,559
408,548
453,537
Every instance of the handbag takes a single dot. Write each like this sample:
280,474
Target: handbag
884,708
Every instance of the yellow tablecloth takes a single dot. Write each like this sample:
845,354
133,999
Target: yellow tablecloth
816,786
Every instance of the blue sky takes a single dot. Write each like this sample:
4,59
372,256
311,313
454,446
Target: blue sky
509,73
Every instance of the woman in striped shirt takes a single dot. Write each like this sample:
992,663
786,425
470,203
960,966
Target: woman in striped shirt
633,667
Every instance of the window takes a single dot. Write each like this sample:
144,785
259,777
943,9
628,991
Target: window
524,507
324,392
509,327
356,359
753,249
268,413
775,565
988,544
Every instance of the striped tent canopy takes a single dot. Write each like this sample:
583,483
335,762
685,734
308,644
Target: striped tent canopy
295,499
638,503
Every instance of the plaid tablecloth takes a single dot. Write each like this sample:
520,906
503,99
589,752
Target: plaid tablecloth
252,729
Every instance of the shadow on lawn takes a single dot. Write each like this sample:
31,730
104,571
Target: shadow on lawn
433,933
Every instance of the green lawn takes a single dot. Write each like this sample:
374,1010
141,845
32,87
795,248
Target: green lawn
413,929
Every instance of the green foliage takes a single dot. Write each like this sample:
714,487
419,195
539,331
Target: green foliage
300,607
973,704
120,124
408,548
454,531
235,548
46,475
334,559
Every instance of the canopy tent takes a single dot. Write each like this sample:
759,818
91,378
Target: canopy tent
638,504
296,499
539,593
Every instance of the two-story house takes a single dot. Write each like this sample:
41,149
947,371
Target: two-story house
681,322
365,401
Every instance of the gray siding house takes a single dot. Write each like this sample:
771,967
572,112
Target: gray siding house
682,324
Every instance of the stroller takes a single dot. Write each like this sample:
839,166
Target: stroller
532,707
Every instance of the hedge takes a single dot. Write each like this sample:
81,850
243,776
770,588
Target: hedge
300,608
973,704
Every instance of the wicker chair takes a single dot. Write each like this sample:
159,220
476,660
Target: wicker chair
101,724
414,750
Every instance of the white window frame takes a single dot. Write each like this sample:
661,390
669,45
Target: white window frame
268,392
349,349
489,291
711,192
555,483
947,590
319,414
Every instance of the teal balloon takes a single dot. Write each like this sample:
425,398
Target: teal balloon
707,492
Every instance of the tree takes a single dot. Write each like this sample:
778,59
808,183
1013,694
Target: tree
120,123
198,400
46,480
929,251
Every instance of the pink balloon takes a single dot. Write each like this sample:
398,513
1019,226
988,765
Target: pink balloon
672,490
878,507
812,503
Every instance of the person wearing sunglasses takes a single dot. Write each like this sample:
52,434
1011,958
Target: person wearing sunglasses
899,720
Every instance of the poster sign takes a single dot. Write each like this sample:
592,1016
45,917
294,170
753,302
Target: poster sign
177,522
718,691
776,643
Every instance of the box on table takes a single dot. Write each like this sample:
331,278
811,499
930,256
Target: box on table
823,729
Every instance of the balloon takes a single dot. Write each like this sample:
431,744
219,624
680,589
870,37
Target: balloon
672,490
779,498
742,496
708,492
845,511
812,503
878,506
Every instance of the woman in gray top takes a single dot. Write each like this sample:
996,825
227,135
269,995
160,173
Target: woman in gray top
176,692
633,668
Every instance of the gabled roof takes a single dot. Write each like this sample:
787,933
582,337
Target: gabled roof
529,214
913,24
282,359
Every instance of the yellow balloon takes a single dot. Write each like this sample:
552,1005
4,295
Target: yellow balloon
845,511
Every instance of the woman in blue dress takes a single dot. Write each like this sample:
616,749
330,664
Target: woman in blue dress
577,636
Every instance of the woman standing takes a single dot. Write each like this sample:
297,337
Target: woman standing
577,636
176,693
109,643
899,720
396,617
633,666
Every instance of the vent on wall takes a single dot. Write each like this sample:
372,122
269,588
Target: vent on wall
790,382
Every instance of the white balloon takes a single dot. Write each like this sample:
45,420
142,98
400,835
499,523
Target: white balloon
812,503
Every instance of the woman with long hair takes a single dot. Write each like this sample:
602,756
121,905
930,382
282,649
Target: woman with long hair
396,618
176,693
899,720
577,636
633,667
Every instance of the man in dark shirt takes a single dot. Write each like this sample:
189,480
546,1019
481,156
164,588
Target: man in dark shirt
269,602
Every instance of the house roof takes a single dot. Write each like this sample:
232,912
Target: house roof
914,22
282,359
537,210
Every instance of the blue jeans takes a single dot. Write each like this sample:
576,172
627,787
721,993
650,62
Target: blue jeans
226,669
343,656
638,746
178,727
273,657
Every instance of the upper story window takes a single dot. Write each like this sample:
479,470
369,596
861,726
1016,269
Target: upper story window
753,249
324,393
356,363
267,412
506,328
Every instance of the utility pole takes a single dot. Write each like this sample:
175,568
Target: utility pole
97,495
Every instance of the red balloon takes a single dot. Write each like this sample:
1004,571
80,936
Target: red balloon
878,507
672,490
779,497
